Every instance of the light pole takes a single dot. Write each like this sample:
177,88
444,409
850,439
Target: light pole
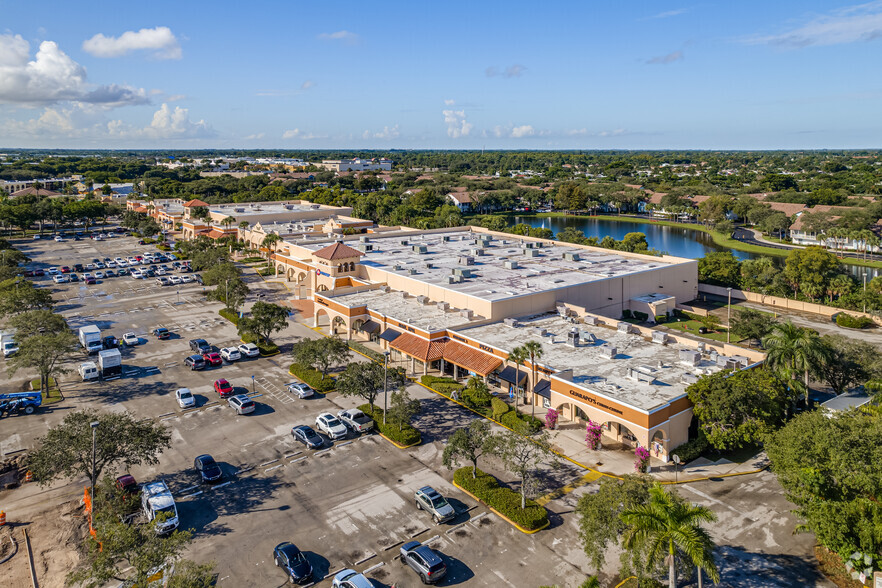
385,381
729,317
865,291
94,425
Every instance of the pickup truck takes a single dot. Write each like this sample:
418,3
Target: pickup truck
356,420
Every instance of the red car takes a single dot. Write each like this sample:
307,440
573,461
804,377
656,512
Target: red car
38,272
65,270
212,358
223,388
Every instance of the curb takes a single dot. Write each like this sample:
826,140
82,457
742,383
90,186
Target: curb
502,516
397,445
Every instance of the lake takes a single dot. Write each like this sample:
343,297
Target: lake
677,241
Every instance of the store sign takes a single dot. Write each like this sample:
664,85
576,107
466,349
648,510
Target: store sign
592,400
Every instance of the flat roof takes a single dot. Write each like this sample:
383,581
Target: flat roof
393,304
593,370
852,399
554,265
259,208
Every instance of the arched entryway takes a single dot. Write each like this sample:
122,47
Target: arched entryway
621,434
322,318
658,446
338,327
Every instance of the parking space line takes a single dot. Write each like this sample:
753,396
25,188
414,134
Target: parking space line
373,567
298,459
194,494
273,468
364,559
344,444
419,532
293,454
188,489
222,485
269,462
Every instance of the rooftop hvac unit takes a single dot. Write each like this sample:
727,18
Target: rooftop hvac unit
364,239
412,271
445,238
510,322
455,279
731,364
385,289
623,327
396,267
531,252
429,265
713,355
690,357
420,249
462,272
590,320
403,294
702,347
528,244
404,242
689,378
571,256
721,360
640,376
573,337
659,337
467,313
315,206
422,299
289,207
477,252
443,305
466,260
587,337
540,331
511,264
609,351
239,210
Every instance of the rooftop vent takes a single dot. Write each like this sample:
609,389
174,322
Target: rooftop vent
511,264
466,260
445,238
385,288
531,252
609,351
315,206
422,299
571,256
443,306
659,337
429,265
690,357
404,242
540,331
465,312
396,267
510,322
412,271
422,249
403,295
462,272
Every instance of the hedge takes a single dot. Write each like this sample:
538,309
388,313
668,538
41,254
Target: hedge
408,435
313,377
266,271
266,347
504,500
692,449
375,355
499,408
843,319
446,386
513,419
230,315
254,259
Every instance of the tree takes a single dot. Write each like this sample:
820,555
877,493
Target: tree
120,440
829,467
365,380
36,322
402,407
810,269
847,362
230,288
791,350
739,409
270,241
468,443
517,356
667,524
534,351
228,221
751,324
720,268
20,295
189,574
266,318
521,455
45,353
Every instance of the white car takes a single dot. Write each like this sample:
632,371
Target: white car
59,239
301,390
175,280
230,354
162,281
131,339
110,263
53,271
249,350
186,279
185,398
59,279
119,261
350,579
330,425
137,274
99,275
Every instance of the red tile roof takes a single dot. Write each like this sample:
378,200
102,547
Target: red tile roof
470,358
418,347
788,208
215,234
195,202
337,251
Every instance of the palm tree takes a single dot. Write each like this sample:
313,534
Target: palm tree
667,524
517,355
270,241
228,221
244,225
534,351
791,349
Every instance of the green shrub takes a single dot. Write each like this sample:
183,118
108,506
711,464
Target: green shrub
535,424
446,386
408,435
641,316
312,377
230,315
692,449
515,420
626,313
661,318
507,502
499,407
267,271
253,260
843,319
266,347
375,355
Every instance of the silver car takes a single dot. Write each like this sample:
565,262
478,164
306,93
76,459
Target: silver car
330,426
301,390
431,501
242,404
185,398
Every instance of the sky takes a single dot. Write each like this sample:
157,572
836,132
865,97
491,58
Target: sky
441,75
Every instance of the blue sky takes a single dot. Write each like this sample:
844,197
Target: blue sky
512,75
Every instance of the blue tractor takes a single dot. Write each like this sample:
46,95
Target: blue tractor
20,402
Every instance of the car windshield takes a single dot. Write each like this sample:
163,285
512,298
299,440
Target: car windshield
437,501
207,462
187,394
170,509
332,422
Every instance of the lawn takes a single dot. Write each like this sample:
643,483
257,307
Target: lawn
691,326
54,394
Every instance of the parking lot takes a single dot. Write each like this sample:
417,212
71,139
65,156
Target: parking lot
349,504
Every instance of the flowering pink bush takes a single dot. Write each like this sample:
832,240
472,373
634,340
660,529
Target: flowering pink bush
551,418
642,455
593,433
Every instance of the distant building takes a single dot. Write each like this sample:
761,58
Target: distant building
356,164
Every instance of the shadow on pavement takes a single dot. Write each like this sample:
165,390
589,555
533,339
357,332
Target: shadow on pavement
745,569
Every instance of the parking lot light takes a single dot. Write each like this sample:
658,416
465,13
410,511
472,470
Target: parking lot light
385,381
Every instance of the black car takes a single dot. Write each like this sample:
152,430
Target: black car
424,561
78,267
110,342
195,362
292,560
109,273
200,346
208,468
161,333
73,278
307,436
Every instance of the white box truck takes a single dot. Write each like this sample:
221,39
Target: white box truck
110,363
90,339
88,370
156,499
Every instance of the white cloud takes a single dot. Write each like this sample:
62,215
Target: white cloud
176,98
347,37
862,22
515,70
449,102
307,85
666,59
255,136
166,124
523,131
290,134
386,133
298,134
159,41
613,133
457,126
668,13
53,77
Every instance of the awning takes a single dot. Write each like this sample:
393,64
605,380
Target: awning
509,374
390,335
418,347
370,327
543,388
470,358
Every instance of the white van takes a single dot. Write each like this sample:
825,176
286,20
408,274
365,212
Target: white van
88,371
